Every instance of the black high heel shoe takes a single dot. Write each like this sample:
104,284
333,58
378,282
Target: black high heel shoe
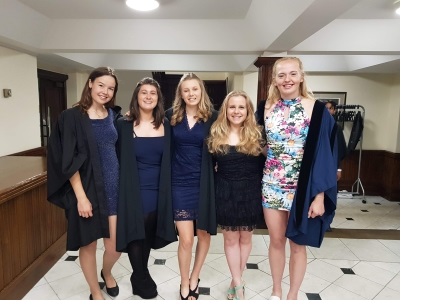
113,291
193,292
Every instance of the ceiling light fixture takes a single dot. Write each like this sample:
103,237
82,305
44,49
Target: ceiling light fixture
397,5
142,5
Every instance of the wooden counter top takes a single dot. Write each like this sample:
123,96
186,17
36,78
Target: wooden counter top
19,174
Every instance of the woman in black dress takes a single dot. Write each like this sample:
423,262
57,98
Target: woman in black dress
237,144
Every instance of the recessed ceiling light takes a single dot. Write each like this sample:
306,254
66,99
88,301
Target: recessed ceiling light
397,7
142,5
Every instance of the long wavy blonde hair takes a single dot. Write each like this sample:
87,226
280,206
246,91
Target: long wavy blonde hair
251,140
274,95
205,106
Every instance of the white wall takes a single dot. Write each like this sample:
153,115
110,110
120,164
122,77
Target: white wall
19,114
379,95
127,81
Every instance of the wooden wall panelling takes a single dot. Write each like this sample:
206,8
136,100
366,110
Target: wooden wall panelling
379,174
38,151
29,225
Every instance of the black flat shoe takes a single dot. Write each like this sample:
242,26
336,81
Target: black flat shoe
90,297
114,291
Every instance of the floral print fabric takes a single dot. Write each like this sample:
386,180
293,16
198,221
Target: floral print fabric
286,139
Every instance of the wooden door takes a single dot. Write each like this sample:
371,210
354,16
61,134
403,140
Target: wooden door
52,100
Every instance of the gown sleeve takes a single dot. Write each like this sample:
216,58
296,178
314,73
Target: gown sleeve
64,158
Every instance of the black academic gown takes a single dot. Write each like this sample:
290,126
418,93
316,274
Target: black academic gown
207,213
71,148
130,218
317,174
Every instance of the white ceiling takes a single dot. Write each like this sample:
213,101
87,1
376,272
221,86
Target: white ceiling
331,36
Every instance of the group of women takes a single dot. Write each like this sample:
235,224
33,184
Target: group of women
151,177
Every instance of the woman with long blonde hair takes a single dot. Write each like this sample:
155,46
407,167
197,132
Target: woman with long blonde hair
237,145
299,186
193,201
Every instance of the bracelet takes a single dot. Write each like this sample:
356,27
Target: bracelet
339,169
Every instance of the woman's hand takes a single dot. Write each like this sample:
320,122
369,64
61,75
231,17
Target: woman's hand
317,206
84,207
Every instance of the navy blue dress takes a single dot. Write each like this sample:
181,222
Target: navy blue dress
186,169
148,152
106,136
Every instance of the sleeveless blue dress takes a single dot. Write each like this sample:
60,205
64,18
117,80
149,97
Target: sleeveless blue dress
148,152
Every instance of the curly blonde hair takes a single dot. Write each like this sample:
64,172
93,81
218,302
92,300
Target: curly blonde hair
251,140
205,106
273,93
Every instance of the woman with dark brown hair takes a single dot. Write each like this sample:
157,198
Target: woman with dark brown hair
83,176
144,219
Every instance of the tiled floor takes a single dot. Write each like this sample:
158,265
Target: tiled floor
342,269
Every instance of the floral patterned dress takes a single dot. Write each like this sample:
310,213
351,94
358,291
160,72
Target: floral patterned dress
286,139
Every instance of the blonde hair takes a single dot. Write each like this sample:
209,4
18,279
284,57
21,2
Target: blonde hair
273,93
250,135
205,106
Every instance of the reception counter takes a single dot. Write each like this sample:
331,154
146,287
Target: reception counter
32,231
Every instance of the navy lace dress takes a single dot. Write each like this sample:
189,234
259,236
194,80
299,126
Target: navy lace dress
106,136
238,191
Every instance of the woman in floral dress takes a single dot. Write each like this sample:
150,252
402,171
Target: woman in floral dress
299,178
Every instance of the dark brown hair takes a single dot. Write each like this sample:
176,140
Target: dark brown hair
86,99
158,111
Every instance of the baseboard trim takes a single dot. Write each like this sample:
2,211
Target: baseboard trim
376,234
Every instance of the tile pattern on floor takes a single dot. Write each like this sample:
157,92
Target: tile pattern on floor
341,269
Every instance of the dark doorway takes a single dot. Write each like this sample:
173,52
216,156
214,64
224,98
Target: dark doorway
52,100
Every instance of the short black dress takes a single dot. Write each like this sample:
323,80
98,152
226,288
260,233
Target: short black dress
238,191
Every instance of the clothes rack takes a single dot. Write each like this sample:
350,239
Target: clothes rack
354,114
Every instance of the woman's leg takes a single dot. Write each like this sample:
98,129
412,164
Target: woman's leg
233,255
88,263
110,254
138,253
185,245
298,263
246,244
202,248
135,255
276,222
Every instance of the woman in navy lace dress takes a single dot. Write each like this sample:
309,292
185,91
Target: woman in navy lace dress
83,176
191,117
237,144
